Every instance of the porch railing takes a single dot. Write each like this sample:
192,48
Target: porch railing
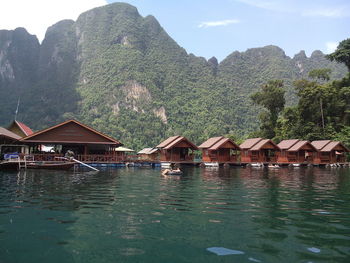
88,158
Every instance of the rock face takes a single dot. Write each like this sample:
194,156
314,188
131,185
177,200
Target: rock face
19,56
122,74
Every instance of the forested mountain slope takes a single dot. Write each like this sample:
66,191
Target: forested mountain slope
124,75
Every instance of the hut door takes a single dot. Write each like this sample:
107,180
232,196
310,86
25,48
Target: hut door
183,153
266,157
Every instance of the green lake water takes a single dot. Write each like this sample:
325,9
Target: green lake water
136,215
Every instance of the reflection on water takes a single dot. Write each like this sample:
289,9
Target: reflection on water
136,215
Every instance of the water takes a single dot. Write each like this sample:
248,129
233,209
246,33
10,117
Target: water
136,215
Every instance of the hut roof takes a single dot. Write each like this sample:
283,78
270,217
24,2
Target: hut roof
222,142
296,147
167,141
320,144
287,144
174,140
249,143
9,134
261,144
148,151
178,140
332,145
69,136
210,142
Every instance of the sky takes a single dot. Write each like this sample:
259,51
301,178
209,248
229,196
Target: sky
210,27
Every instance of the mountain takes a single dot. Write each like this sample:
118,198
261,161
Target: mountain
124,75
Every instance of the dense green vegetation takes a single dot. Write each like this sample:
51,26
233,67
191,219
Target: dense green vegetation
323,108
122,74
270,97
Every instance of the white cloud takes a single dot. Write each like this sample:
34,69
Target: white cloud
327,12
37,15
325,8
331,47
218,23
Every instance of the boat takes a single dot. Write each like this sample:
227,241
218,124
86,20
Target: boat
211,164
9,165
172,172
50,165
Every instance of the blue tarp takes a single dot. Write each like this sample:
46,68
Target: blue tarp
10,155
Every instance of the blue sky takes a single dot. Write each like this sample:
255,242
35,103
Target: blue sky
210,27
218,27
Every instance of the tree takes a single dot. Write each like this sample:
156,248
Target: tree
322,74
272,98
342,53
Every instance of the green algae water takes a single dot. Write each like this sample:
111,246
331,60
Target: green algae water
136,215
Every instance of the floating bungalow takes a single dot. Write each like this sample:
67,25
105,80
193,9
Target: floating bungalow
329,152
295,152
177,149
149,154
87,144
219,150
258,150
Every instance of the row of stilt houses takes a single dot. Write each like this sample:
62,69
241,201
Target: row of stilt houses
92,146
221,150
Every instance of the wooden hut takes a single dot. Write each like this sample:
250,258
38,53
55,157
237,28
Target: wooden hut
295,152
87,144
20,129
177,149
219,150
329,152
258,150
149,154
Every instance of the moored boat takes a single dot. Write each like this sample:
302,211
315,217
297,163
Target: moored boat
50,165
9,165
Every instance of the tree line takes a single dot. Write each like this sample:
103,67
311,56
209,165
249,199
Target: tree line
322,110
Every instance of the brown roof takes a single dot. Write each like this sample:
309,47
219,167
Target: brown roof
286,144
223,141
296,147
330,146
30,137
167,141
178,140
320,144
261,144
249,143
148,151
9,134
210,142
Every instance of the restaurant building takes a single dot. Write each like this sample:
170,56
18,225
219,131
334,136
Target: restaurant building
87,144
